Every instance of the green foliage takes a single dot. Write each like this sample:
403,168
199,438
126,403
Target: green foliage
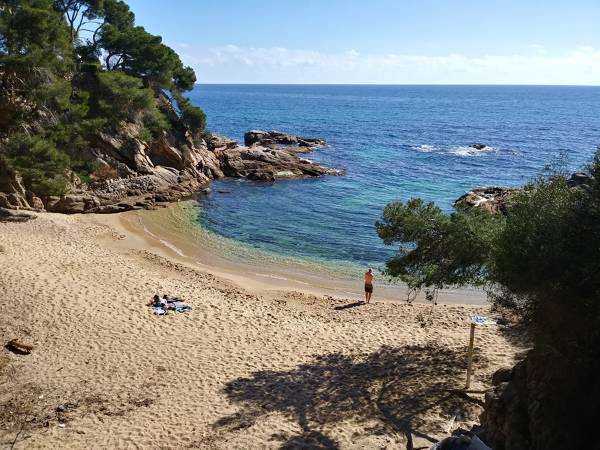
145,135
35,56
55,86
141,54
40,163
438,250
120,96
31,32
184,78
191,115
542,258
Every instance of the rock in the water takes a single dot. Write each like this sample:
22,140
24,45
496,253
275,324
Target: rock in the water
267,164
478,146
496,199
279,138
492,199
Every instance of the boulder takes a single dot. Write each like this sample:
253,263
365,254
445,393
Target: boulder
267,164
4,203
279,138
126,148
34,201
9,215
163,152
478,146
493,199
73,203
11,186
579,179
217,143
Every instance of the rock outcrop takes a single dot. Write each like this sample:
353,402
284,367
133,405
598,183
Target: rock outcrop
478,146
493,199
134,174
273,139
496,199
505,420
259,162
13,193
10,215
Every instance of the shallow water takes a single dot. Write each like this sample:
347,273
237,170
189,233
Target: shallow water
394,142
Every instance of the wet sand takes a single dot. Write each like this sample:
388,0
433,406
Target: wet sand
172,233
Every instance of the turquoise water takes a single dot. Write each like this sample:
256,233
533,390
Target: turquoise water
395,142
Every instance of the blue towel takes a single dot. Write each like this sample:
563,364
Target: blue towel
159,311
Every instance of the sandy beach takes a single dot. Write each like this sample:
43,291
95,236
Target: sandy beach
254,365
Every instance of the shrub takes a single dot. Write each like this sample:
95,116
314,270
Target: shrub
120,96
40,163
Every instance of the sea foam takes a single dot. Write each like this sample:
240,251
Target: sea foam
463,151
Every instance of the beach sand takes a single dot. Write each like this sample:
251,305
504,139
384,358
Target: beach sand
250,367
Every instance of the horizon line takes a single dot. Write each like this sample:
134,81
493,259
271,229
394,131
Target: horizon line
398,84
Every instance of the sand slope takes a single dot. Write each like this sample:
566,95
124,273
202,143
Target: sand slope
281,370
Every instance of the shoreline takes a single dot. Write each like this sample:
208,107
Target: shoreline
170,233
244,369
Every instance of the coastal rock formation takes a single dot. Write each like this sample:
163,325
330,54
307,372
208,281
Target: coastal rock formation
277,138
262,163
496,199
135,174
493,199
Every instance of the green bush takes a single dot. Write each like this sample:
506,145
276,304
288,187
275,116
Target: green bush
191,115
542,260
436,249
40,163
145,135
121,96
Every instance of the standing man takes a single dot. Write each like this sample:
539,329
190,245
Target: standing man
368,285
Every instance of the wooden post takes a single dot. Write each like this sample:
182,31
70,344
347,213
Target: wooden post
470,356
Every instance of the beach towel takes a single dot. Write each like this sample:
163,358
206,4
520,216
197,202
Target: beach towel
182,307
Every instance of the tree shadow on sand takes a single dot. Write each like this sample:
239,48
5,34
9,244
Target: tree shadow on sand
408,389
349,305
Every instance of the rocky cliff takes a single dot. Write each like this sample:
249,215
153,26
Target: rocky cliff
134,174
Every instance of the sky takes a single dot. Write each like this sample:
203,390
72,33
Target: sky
381,41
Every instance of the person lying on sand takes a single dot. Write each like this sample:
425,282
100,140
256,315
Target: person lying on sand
157,301
369,284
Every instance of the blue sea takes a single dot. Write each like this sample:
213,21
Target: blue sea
394,142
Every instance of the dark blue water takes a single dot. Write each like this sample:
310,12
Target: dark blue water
395,142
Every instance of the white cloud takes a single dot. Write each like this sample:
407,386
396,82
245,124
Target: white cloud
539,49
234,64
